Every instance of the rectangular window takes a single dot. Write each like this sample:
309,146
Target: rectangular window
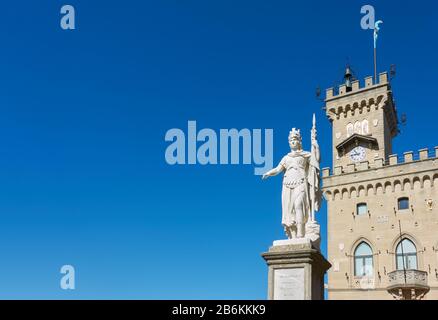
362,208
363,266
368,266
403,203
400,263
358,267
411,262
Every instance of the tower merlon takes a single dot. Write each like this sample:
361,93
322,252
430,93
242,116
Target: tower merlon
424,153
355,85
379,163
351,167
362,166
338,170
368,81
408,156
393,159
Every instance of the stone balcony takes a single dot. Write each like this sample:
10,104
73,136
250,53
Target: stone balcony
408,285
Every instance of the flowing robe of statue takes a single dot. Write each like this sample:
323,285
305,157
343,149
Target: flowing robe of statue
295,200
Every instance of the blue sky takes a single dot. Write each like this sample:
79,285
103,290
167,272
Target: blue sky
83,116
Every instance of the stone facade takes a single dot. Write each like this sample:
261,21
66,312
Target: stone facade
375,197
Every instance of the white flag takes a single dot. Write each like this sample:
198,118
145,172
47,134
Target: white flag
376,32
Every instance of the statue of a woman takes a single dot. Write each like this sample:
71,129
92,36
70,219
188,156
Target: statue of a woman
301,195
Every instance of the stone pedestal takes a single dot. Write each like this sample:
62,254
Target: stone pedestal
296,271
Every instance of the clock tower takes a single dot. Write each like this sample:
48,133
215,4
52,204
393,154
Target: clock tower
364,120
382,208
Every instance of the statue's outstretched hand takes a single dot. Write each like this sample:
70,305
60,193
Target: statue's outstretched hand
265,176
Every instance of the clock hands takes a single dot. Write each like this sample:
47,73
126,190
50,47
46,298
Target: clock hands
357,153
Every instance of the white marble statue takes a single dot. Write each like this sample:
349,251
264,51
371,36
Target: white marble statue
301,195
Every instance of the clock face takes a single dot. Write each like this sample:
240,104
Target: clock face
358,154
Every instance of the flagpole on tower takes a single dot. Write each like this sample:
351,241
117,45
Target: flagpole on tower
376,34
375,65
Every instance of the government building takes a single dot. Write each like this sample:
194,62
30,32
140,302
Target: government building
382,207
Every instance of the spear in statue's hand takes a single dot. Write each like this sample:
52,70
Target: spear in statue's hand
313,158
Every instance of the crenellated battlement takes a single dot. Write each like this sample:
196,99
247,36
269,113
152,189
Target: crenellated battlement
331,93
393,160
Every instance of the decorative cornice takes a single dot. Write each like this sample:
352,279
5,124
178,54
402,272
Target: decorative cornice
356,138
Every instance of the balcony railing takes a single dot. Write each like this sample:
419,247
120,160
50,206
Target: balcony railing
409,284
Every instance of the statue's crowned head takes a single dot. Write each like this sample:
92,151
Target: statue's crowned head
295,139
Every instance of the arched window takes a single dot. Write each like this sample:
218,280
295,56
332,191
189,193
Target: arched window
403,203
358,127
406,254
363,260
365,128
350,129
